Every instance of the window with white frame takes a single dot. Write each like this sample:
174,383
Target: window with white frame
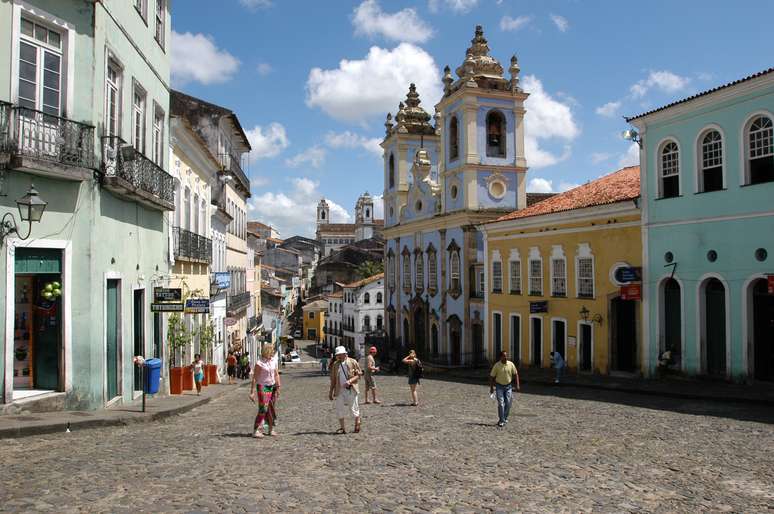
515,276
138,118
585,270
480,281
497,277
432,271
391,270
670,170
142,8
113,99
419,264
454,269
40,68
195,214
535,276
760,145
160,19
158,136
711,174
406,271
558,272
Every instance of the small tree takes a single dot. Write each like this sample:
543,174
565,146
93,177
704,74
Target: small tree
178,336
206,338
369,269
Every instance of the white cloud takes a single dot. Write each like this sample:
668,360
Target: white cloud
542,185
196,58
294,212
360,89
598,157
508,23
458,6
663,80
349,139
255,4
264,68
631,157
561,22
404,25
609,110
267,141
314,156
546,119
378,207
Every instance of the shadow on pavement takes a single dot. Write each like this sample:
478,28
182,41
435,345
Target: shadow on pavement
238,435
315,432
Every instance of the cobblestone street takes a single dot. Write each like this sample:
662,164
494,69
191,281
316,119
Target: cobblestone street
565,449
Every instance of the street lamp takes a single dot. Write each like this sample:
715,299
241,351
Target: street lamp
633,136
31,208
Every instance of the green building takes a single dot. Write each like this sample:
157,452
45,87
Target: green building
83,118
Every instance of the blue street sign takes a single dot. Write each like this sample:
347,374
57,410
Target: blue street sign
197,306
538,307
628,275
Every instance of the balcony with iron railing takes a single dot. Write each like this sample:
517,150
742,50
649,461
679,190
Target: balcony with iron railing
129,174
254,322
191,247
44,144
237,303
231,163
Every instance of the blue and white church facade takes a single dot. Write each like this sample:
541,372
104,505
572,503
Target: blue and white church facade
441,181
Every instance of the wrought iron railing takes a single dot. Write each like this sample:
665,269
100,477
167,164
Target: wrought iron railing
32,133
120,159
232,164
254,322
191,246
237,302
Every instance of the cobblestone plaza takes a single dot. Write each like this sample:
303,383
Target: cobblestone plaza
564,449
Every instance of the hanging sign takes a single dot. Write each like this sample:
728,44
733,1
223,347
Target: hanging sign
631,292
538,307
771,284
627,275
222,279
229,322
167,307
197,306
166,294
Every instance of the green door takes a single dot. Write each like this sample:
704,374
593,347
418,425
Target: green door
139,333
46,351
111,365
715,330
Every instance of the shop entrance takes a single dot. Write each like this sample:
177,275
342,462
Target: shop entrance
38,343
715,327
138,315
623,324
536,333
763,331
113,337
584,347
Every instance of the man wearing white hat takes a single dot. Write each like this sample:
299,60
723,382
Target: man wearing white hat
345,374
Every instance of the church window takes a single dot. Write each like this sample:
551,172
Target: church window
760,145
432,271
455,271
495,134
367,298
368,213
392,171
454,139
670,170
711,176
322,215
406,271
378,297
419,264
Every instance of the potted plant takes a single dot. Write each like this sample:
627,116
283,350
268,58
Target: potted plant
206,339
178,337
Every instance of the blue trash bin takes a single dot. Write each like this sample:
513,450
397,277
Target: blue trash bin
152,375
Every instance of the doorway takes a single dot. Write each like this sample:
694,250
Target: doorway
672,316
763,331
138,315
536,333
623,321
497,333
455,331
311,334
515,339
715,327
478,343
405,333
559,343
419,331
112,337
584,347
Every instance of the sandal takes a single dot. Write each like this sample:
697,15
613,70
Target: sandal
367,402
258,434
357,428
341,431
378,402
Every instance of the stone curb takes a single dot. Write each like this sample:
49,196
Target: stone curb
59,427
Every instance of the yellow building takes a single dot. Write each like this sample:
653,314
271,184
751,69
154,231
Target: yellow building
314,320
555,273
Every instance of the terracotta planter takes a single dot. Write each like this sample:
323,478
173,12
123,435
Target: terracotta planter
204,376
176,381
212,373
188,383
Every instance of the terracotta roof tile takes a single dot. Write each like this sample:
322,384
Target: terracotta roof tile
372,278
337,228
533,198
619,186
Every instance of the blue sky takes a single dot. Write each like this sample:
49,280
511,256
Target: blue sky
312,80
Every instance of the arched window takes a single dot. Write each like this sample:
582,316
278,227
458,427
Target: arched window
711,171
368,213
669,163
760,143
432,271
379,322
392,171
367,298
455,271
419,264
495,134
406,271
187,208
454,139
367,323
322,215
195,214
378,297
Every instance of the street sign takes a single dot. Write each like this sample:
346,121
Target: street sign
627,275
229,322
631,292
538,307
771,284
222,279
167,307
197,306
166,294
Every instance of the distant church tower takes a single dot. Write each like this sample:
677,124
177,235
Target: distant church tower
323,213
364,217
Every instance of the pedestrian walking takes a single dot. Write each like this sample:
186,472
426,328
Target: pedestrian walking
559,365
264,388
501,380
370,370
345,374
231,363
416,370
245,366
197,366
324,362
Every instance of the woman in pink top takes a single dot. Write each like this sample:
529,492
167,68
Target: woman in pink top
265,384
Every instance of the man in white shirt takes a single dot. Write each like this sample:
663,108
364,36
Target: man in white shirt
345,374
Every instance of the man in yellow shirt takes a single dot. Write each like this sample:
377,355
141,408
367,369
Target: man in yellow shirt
502,376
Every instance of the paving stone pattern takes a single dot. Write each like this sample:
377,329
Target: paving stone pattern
564,450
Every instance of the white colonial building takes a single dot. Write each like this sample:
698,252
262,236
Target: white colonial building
333,323
363,312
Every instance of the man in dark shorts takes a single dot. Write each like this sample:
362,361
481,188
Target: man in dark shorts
231,363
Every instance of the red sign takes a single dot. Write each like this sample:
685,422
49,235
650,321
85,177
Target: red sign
631,292
771,284
229,322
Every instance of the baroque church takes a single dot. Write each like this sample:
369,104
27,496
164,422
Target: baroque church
335,236
442,180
